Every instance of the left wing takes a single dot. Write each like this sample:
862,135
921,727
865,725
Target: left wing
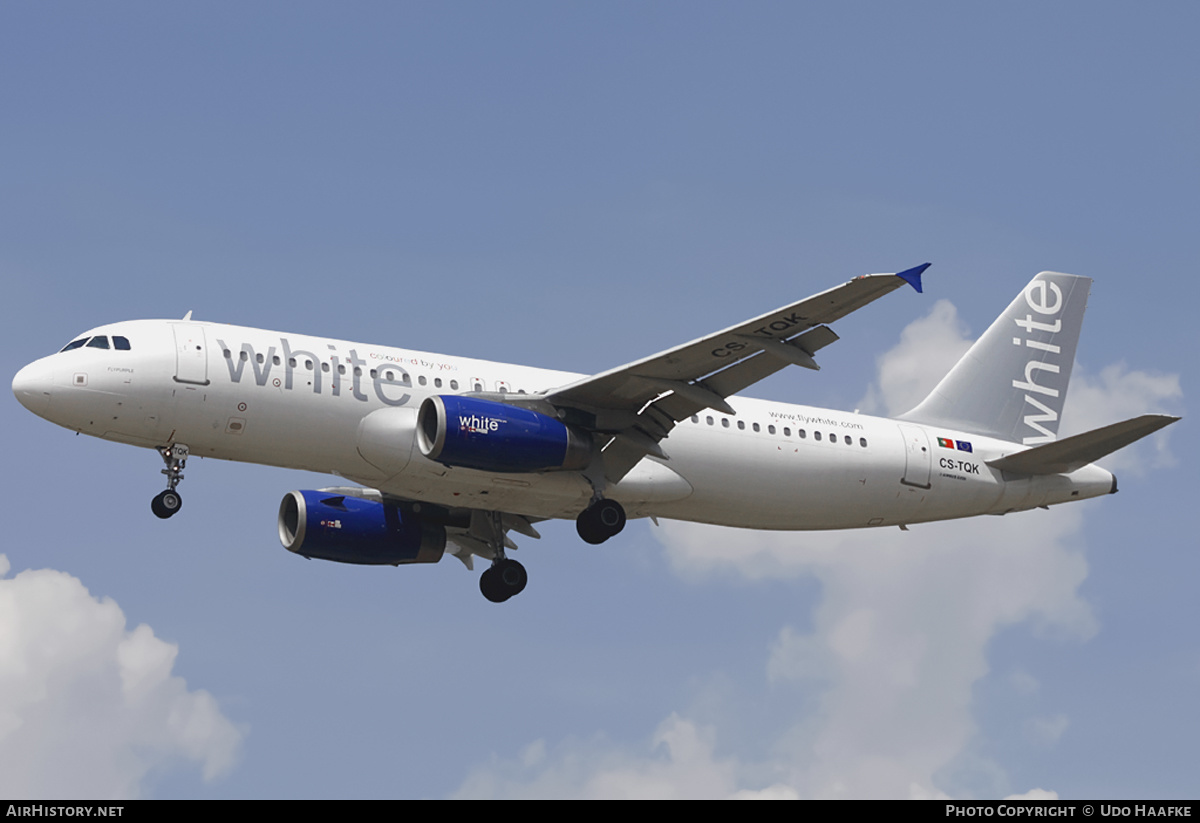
472,531
476,537
1071,453
639,403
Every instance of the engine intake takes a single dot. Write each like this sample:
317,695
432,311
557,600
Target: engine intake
353,530
496,437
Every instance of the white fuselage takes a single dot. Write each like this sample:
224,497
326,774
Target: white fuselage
333,406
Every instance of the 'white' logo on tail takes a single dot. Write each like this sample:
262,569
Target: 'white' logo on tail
1045,298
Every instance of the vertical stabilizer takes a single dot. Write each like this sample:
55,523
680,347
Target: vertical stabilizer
1013,382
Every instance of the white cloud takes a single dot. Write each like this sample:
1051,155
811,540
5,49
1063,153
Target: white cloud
679,762
900,635
1023,682
1034,794
1046,731
88,708
908,371
897,642
1116,394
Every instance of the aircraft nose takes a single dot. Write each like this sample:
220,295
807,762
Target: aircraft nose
32,386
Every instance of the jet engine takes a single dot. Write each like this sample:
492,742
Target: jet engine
353,530
496,437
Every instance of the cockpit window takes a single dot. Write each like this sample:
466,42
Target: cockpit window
100,342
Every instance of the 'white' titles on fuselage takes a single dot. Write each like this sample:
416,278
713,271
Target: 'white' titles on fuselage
292,358
1045,298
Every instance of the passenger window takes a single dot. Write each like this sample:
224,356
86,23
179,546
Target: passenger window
100,342
74,344
801,433
787,431
862,441
770,429
725,422
709,420
742,424
817,436
848,440
258,358
421,380
244,356
757,427
121,343
325,367
695,418
437,382
454,385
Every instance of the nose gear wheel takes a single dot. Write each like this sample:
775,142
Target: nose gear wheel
168,502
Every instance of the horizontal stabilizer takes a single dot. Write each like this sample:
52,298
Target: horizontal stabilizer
1075,452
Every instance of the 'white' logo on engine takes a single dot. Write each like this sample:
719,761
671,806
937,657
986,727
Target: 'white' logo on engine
480,425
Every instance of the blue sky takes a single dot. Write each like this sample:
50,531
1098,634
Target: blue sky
575,186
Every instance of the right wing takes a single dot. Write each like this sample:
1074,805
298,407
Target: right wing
639,403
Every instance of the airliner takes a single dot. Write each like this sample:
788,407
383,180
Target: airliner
450,454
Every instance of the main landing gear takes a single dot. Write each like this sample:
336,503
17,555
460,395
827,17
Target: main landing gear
601,520
168,502
505,578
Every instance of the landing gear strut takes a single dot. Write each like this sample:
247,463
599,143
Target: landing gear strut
601,520
168,502
505,578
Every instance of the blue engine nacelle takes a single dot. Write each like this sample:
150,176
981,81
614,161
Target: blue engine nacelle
353,530
497,437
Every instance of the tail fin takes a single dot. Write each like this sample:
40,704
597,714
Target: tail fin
1013,382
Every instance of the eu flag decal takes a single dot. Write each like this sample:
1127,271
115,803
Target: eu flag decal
963,445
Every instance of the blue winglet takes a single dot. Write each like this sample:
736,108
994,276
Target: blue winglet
913,276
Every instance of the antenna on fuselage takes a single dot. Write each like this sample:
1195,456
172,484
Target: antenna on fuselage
188,316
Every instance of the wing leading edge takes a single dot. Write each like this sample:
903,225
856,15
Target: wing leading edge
639,403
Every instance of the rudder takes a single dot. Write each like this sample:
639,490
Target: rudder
1013,382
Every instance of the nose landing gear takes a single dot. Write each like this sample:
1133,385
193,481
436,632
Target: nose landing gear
168,502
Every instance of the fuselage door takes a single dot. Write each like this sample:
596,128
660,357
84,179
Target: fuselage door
918,460
191,354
